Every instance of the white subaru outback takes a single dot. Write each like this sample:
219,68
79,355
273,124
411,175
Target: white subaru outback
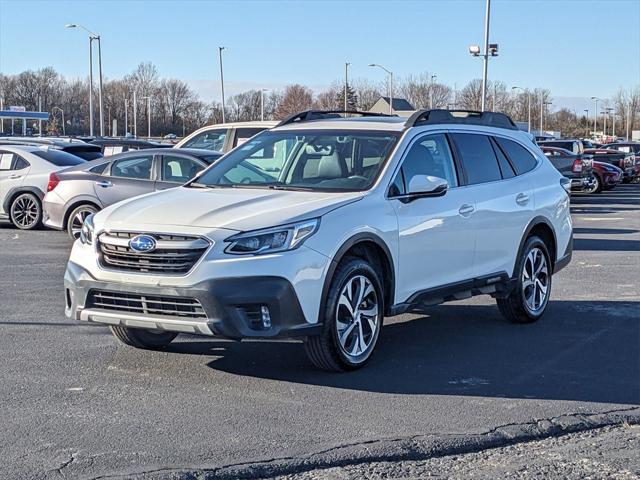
324,225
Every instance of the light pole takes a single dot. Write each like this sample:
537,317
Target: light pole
135,114
220,49
607,112
148,98
262,90
490,50
62,112
586,111
346,83
390,84
595,115
39,120
126,116
431,91
544,104
528,107
92,37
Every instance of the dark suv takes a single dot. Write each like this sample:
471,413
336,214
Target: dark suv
573,145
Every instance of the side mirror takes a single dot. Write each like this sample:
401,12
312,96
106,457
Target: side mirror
427,186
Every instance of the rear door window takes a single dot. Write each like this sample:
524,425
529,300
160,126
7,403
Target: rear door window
521,158
479,160
505,166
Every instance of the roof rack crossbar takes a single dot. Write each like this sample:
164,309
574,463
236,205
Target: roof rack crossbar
307,115
468,117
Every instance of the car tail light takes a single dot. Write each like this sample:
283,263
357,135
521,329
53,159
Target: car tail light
54,180
577,166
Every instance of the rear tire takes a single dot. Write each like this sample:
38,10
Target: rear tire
528,300
26,211
352,318
76,219
146,339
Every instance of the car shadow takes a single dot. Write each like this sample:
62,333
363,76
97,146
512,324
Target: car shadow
606,245
603,231
584,351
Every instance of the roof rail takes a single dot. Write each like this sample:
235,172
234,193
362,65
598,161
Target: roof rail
307,115
467,117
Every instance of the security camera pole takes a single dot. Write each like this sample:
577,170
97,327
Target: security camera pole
489,50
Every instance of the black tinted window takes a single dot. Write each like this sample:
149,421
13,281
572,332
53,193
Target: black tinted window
505,166
58,158
476,152
521,158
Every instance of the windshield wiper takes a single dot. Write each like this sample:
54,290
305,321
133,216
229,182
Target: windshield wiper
290,187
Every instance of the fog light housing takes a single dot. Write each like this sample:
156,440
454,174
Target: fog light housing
265,316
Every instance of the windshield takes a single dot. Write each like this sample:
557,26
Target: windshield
323,160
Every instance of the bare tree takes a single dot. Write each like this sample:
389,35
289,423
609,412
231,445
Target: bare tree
295,98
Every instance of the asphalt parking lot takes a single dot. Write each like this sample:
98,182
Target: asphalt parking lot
76,403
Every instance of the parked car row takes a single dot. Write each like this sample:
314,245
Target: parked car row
593,170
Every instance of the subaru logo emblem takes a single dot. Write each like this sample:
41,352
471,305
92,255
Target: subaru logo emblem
143,243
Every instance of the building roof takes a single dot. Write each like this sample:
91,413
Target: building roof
398,103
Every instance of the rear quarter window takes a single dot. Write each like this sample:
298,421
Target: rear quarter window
521,158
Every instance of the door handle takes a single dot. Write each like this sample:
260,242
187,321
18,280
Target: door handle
466,210
104,184
522,199
14,177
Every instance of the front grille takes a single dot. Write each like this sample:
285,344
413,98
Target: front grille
174,254
145,304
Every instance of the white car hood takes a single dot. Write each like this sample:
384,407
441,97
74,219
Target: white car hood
230,208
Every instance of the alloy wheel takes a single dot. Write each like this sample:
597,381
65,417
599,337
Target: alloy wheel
25,211
535,280
357,317
78,220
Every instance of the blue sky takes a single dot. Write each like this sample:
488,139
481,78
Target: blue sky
576,48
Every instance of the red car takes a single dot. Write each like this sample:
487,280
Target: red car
627,161
607,176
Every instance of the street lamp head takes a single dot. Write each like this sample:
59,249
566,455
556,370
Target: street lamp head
474,50
493,49
372,65
71,25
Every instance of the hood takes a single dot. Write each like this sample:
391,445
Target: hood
234,209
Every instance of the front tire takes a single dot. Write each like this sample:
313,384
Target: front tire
597,185
146,339
352,318
76,219
26,211
528,300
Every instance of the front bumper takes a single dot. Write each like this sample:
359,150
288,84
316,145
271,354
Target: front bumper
229,303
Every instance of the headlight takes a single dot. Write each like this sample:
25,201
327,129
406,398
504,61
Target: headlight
272,240
86,234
